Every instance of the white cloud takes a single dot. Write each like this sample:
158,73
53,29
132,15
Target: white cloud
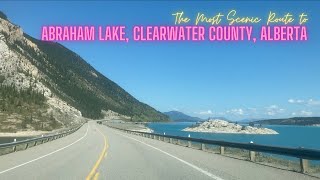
271,113
310,102
306,113
252,109
296,101
274,110
302,113
220,113
273,107
208,112
313,102
236,111
291,101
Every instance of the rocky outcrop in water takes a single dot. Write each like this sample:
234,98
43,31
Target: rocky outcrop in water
221,126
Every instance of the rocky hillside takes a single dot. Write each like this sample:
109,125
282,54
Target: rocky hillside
62,87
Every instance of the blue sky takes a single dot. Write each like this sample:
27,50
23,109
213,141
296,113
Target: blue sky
235,80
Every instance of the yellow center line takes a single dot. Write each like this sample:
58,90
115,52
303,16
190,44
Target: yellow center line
102,155
96,177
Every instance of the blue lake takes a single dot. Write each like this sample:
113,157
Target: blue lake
289,136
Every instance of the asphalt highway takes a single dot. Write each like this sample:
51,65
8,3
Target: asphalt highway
99,152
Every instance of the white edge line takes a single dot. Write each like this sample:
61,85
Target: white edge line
33,160
181,160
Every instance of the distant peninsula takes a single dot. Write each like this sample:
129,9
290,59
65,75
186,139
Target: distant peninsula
300,121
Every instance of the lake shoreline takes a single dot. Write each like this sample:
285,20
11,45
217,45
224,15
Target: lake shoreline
24,134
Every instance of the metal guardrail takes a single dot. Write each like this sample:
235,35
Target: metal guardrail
303,154
35,141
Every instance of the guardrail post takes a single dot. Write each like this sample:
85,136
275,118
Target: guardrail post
159,138
203,147
178,141
170,140
222,150
304,164
252,156
189,143
27,145
14,148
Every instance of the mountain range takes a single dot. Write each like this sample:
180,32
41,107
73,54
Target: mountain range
44,86
181,117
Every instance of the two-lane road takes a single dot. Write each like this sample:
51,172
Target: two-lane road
98,152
